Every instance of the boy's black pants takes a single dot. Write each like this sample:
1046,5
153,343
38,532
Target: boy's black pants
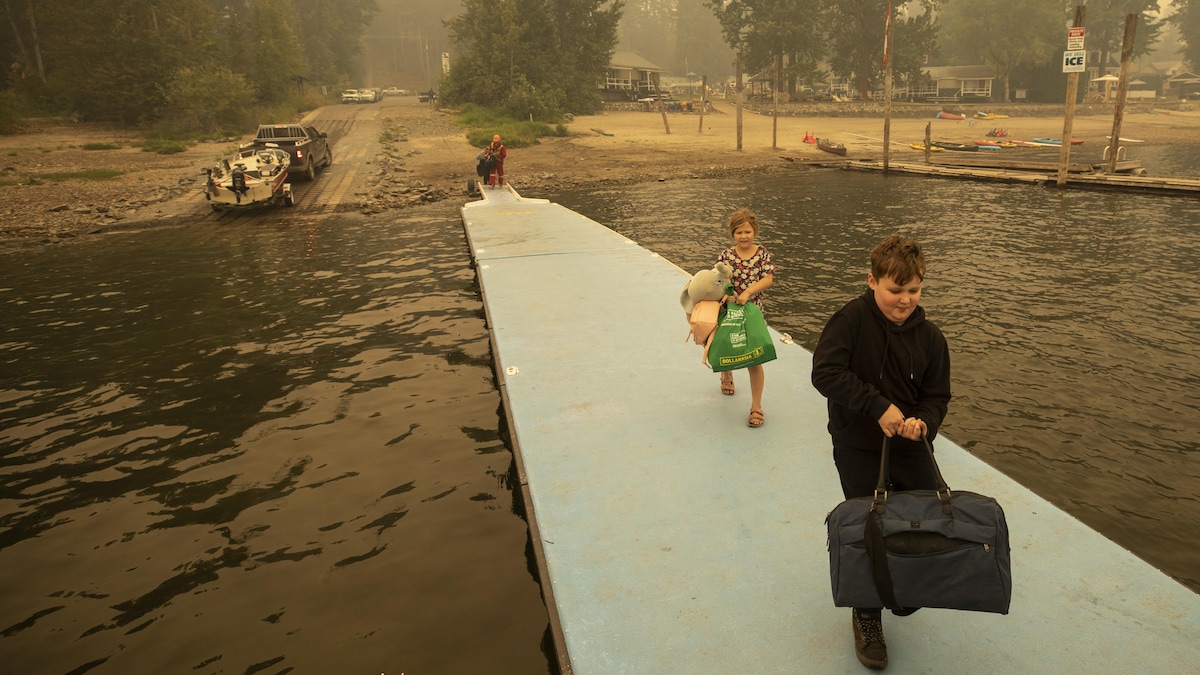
911,469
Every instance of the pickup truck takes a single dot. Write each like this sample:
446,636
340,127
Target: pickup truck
308,147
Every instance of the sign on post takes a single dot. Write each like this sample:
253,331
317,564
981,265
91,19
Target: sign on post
1074,62
1075,39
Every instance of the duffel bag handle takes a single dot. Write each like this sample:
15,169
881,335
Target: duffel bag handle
943,490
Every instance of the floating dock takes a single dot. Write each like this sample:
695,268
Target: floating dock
1131,166
672,538
991,171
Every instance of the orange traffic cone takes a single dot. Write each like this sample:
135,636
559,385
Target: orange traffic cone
808,138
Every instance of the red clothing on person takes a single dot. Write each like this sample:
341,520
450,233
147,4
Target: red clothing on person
497,150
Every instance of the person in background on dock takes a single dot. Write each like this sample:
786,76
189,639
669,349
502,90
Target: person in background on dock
497,152
885,370
753,273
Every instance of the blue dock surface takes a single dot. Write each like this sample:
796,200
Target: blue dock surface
673,538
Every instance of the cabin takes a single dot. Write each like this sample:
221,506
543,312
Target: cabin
955,83
940,84
1182,85
629,77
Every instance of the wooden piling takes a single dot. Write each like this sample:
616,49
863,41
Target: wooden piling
1114,142
738,93
775,104
1064,154
661,109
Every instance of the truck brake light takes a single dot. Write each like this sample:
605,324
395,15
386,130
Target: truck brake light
299,154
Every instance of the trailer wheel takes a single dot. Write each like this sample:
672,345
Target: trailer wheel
472,188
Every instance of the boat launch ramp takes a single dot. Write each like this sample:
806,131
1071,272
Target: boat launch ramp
672,538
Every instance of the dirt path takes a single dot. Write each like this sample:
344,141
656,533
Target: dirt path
400,154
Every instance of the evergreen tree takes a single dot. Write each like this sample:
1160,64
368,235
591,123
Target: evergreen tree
855,39
121,60
1105,27
1008,35
1187,19
539,57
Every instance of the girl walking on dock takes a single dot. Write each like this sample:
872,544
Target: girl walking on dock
753,273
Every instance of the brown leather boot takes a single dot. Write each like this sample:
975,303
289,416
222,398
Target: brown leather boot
868,638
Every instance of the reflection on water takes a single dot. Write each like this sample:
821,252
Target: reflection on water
1071,318
234,449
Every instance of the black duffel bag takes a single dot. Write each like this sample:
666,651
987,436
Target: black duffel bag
919,548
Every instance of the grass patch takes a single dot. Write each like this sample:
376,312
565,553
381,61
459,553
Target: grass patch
90,174
9,183
482,124
101,146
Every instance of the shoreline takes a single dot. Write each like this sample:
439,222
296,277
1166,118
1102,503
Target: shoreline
434,160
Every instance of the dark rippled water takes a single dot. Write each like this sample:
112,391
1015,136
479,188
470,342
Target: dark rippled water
1072,320
253,448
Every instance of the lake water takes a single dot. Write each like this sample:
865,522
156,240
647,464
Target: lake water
257,448
254,447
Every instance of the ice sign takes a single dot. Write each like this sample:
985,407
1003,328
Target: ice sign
1074,62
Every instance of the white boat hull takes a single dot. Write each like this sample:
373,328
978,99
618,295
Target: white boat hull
250,182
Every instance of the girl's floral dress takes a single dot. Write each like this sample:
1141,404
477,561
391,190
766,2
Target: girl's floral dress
748,271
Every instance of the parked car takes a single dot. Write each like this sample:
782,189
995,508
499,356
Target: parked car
427,96
350,96
392,91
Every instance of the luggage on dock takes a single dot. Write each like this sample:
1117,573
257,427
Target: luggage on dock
919,548
486,162
741,339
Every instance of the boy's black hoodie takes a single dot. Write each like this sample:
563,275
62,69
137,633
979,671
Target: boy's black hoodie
864,362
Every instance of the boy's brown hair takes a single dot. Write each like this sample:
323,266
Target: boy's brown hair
898,257
743,217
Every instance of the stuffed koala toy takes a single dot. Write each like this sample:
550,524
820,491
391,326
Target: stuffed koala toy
706,285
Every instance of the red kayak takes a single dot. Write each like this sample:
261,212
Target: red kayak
943,115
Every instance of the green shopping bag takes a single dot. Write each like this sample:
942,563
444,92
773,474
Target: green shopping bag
741,339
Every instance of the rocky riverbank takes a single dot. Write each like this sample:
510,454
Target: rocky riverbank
59,181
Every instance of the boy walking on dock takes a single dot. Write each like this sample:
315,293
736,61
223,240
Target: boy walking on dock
885,370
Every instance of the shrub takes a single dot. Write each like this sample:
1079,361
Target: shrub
206,100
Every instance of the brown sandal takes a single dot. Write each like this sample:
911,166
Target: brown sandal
727,383
757,418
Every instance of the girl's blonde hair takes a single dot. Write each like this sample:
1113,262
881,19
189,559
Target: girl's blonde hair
743,217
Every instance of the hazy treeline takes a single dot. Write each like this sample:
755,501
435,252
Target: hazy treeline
537,57
198,65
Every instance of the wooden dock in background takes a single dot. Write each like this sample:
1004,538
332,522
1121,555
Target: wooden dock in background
1132,166
1187,187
